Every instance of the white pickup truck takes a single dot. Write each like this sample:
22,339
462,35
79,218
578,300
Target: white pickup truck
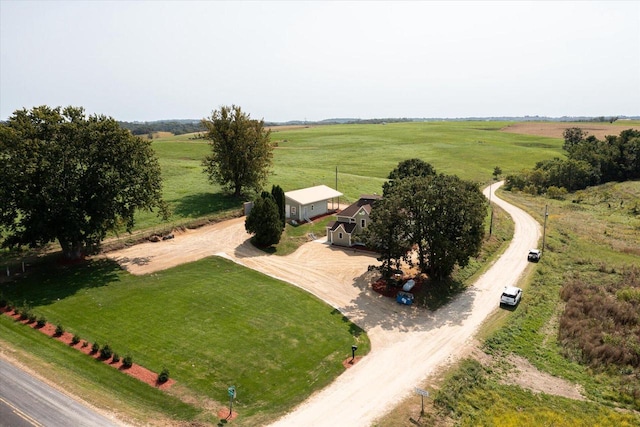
534,255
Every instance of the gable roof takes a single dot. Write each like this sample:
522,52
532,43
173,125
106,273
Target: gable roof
348,227
364,202
309,195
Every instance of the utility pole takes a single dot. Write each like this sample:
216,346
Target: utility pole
337,187
544,230
491,206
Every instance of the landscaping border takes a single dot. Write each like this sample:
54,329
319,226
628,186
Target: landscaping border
136,371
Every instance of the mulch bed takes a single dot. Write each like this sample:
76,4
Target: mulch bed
380,286
139,372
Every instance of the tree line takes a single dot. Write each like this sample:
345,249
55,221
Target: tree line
589,162
175,127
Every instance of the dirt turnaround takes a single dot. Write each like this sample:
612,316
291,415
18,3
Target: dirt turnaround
408,344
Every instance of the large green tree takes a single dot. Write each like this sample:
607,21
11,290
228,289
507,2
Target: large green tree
442,215
241,150
72,178
454,225
407,168
387,233
264,221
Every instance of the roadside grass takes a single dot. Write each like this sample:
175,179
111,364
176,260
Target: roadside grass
212,323
87,377
593,234
590,235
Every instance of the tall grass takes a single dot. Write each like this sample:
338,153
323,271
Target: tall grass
593,235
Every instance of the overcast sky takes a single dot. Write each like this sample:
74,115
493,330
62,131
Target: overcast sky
280,61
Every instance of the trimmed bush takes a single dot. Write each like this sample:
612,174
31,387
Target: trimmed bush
116,358
106,352
32,318
41,322
75,340
163,376
127,362
95,347
59,330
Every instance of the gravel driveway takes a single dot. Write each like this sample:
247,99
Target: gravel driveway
408,344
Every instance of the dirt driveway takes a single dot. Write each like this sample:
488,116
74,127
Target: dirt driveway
408,344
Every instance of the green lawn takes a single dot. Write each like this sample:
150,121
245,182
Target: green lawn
212,323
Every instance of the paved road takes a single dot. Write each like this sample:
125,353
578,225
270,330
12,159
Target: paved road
28,402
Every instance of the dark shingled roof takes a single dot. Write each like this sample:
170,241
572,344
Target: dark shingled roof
347,226
365,202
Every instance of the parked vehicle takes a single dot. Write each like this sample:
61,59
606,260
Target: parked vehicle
534,255
405,298
511,296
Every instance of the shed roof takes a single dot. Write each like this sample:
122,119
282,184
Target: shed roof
309,195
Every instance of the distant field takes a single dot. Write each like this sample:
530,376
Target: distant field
556,129
363,155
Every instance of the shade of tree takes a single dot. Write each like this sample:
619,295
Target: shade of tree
72,178
264,221
241,150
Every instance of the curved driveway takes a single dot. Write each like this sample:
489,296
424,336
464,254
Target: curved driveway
403,356
408,344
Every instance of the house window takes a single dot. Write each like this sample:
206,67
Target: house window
340,236
363,223
293,210
311,207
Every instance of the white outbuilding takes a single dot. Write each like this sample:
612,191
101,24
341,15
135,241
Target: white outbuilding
304,204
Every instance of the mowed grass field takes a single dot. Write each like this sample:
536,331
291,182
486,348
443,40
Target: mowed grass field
212,323
363,155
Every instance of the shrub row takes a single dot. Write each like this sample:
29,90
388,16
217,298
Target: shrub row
106,352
